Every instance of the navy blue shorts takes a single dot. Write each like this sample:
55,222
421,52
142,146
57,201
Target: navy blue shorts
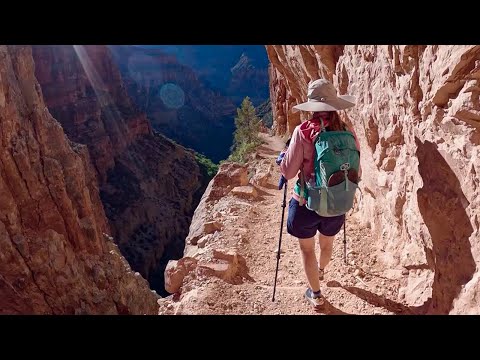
304,223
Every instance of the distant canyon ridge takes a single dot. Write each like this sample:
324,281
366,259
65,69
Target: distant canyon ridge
190,93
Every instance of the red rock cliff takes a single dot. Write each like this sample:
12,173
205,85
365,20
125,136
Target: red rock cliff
84,91
54,258
148,184
417,118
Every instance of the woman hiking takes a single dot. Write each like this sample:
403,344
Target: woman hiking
303,223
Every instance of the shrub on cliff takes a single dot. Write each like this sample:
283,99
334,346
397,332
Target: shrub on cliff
246,134
207,166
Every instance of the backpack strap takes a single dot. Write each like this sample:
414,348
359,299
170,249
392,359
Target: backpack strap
323,200
302,188
301,197
302,175
322,125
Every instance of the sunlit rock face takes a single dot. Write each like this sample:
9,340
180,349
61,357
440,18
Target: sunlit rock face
417,118
55,254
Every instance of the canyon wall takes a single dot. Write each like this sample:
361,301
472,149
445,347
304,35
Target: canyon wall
178,103
56,252
149,186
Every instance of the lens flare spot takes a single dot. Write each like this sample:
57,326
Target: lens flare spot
172,96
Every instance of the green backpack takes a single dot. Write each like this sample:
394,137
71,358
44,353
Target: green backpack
335,180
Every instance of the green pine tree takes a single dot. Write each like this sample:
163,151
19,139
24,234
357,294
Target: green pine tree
246,137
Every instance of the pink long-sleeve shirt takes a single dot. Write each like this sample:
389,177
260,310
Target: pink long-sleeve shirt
301,150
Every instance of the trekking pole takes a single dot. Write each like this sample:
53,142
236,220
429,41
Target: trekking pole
345,241
280,239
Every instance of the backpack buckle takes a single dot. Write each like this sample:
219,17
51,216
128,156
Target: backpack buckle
345,166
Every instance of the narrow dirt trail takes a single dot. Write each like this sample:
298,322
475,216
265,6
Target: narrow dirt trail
252,228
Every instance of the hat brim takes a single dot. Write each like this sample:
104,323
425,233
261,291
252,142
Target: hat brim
342,102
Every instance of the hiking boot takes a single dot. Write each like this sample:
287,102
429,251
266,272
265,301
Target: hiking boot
321,274
316,299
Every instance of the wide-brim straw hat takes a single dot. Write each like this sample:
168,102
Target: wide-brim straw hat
322,96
